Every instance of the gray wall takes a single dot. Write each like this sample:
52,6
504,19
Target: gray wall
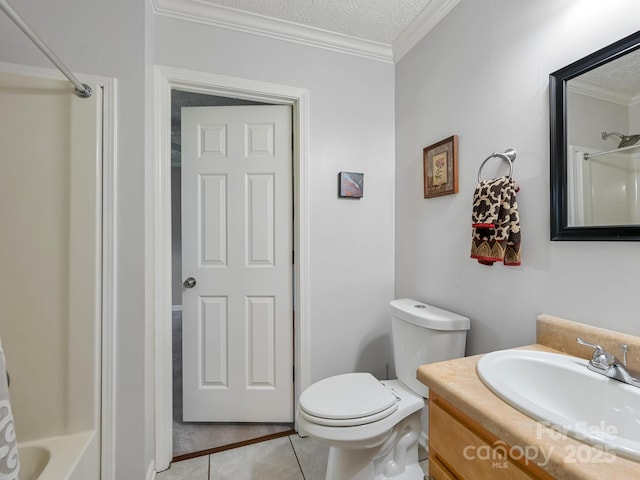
482,74
588,117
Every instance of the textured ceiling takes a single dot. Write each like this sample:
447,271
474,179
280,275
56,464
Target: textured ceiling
374,20
621,75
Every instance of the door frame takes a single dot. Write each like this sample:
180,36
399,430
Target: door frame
159,264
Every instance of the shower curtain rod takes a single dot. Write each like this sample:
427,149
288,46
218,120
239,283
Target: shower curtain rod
587,156
82,90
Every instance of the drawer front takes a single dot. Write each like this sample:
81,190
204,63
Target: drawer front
438,472
466,454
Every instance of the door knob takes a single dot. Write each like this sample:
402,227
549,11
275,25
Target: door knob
189,282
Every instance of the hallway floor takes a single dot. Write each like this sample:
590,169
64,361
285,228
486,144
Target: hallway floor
285,458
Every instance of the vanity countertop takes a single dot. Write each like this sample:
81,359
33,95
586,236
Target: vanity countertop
562,457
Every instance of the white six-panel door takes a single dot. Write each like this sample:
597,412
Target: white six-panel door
237,248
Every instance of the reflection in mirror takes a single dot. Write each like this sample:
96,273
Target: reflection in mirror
603,163
595,145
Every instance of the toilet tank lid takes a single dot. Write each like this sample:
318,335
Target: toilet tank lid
428,316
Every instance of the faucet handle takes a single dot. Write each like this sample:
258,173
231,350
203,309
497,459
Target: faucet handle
601,359
598,349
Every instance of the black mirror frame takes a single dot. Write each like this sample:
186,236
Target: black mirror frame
558,143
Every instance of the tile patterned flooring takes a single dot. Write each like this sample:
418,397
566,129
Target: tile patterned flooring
284,458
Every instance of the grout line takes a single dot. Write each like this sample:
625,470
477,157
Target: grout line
297,459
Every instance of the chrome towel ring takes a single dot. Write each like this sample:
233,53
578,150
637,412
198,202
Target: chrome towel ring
508,156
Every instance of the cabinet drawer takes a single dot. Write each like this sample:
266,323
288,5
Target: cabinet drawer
438,472
465,453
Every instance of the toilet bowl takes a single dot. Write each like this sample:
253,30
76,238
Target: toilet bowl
373,427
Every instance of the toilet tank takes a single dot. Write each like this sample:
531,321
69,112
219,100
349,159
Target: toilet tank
424,334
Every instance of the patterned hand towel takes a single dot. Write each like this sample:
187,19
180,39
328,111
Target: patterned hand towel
495,222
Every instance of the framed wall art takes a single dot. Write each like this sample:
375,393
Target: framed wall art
350,184
440,162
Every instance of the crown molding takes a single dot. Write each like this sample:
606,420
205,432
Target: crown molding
581,87
435,11
203,12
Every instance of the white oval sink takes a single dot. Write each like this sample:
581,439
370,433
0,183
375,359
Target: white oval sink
560,392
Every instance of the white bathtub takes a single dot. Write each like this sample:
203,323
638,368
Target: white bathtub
67,457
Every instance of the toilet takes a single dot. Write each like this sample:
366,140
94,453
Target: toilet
373,427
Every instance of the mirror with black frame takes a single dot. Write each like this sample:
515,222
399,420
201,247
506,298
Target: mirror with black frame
595,145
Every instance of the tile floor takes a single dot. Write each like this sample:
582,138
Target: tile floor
285,458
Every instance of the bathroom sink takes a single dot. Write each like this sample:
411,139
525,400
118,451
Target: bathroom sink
561,393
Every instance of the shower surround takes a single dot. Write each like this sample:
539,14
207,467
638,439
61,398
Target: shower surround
50,259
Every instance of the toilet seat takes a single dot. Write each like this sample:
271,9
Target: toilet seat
349,422
347,400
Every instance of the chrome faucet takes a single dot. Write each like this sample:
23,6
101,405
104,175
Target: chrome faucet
607,364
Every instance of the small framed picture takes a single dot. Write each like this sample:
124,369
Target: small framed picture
350,184
441,168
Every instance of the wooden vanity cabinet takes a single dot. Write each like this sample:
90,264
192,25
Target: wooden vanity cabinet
439,472
461,449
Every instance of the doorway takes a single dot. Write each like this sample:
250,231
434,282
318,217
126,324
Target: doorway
166,80
218,412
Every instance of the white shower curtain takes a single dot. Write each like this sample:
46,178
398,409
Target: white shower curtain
9,461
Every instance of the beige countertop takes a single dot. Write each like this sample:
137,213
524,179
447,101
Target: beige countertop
562,457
